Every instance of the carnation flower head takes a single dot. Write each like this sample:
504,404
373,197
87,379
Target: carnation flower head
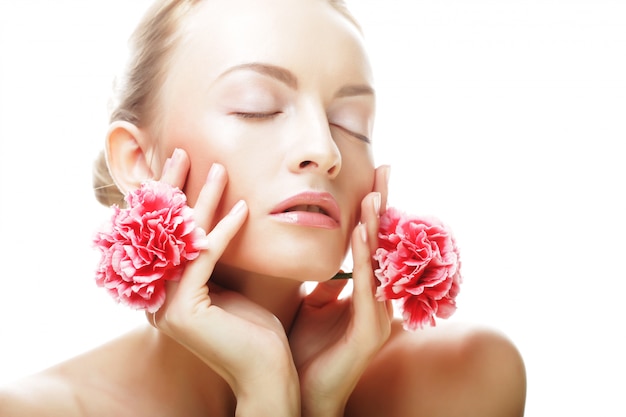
418,267
146,244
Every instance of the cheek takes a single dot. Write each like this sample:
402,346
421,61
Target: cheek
201,157
237,164
358,180
358,165
203,151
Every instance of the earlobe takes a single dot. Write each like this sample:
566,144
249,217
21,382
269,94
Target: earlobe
127,155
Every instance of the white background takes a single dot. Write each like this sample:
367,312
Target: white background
504,118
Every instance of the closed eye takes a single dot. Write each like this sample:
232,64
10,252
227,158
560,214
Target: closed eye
353,134
256,115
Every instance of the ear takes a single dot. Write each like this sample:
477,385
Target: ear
128,152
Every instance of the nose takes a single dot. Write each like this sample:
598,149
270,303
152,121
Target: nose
313,147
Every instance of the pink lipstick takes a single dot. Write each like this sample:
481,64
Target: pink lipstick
310,208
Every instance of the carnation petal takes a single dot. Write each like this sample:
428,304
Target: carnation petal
418,267
147,244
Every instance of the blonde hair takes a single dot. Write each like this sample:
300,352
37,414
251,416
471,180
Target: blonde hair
136,92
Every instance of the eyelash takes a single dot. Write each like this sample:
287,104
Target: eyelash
260,116
354,134
265,116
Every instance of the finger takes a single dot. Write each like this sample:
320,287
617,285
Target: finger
238,305
381,185
325,292
370,315
155,318
389,310
370,214
363,275
151,317
176,168
199,271
210,196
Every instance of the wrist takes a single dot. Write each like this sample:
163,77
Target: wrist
327,403
276,394
321,409
271,400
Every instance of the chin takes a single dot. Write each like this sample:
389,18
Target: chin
291,260
301,268
316,273
293,271
301,254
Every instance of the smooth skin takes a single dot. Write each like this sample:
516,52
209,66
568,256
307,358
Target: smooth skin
285,104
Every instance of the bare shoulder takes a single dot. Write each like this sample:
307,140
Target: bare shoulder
449,370
81,386
39,395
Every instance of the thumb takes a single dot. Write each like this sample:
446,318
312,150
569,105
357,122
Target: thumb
325,292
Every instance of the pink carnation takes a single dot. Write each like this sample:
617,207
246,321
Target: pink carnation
419,267
146,244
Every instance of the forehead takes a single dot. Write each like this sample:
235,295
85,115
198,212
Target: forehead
308,37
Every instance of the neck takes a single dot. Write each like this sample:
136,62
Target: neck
280,296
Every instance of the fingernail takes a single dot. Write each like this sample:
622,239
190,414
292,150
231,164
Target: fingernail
238,208
363,232
215,171
176,155
166,165
377,203
387,174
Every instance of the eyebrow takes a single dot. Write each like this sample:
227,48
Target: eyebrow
281,74
288,78
355,90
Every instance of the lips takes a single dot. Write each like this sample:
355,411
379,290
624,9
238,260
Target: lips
309,208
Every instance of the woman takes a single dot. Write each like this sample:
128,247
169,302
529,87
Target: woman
262,112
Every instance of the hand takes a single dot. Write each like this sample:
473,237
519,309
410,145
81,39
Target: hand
242,342
333,340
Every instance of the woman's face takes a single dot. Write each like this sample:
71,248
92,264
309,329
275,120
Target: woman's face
279,92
